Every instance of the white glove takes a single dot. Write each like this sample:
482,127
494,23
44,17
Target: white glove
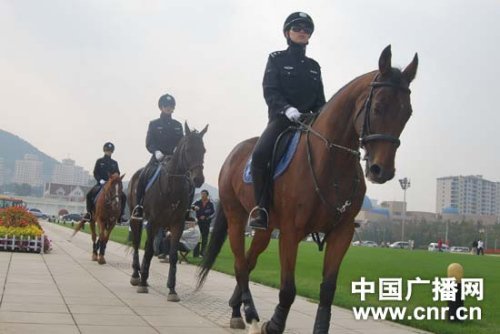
101,182
159,156
293,114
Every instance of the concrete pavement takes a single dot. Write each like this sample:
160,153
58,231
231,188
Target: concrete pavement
65,292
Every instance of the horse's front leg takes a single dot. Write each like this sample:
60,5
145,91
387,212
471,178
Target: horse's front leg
146,260
288,257
103,240
135,237
172,270
337,244
95,245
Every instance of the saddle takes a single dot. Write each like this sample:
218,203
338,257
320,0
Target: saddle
283,152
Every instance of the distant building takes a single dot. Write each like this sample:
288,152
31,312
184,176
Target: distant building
28,170
68,173
73,193
468,195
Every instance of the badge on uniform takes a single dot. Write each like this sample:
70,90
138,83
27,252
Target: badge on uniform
288,67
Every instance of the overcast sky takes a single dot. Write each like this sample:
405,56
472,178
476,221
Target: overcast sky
75,74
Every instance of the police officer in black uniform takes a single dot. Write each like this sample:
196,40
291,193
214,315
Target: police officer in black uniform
104,167
292,86
163,136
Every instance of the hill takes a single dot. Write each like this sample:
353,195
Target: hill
14,148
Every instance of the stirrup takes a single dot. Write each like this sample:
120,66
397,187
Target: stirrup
258,209
134,214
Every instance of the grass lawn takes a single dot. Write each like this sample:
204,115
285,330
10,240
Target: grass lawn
375,263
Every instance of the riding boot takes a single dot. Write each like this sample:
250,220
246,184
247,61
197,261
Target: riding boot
89,202
137,213
259,216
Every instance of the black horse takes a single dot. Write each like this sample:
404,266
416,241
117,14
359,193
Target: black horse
165,205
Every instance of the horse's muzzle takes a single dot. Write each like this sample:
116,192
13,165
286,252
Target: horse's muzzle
377,174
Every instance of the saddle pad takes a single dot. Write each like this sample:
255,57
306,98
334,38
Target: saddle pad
154,177
282,164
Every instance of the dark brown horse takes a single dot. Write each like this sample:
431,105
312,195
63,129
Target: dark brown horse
106,215
165,205
322,190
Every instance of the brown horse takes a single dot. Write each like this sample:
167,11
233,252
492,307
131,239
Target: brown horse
165,205
106,215
322,190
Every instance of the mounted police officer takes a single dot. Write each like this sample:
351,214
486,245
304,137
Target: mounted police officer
163,136
292,86
103,169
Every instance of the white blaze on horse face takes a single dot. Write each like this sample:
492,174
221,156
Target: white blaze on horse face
117,190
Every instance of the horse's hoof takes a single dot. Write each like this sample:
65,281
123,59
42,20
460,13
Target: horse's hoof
135,281
101,260
237,323
263,329
172,297
94,257
254,328
142,289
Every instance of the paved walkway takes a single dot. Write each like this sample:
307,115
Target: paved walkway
65,292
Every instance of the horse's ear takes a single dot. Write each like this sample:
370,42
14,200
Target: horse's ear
186,128
204,130
410,71
384,62
121,177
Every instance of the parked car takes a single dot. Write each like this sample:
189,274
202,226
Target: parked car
400,244
72,217
38,213
433,247
365,243
459,249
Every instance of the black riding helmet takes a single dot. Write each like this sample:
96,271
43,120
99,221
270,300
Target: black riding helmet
108,147
298,17
166,100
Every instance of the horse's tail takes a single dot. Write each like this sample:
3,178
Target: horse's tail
78,227
217,239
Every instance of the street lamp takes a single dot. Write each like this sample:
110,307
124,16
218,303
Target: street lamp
405,184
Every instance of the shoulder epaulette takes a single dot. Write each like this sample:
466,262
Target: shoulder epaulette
276,54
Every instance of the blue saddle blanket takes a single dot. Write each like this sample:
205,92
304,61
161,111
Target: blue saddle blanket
282,164
153,178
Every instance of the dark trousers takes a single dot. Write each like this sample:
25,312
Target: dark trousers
91,197
261,159
204,226
146,174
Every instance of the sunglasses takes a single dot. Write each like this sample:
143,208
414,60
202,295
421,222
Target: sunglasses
307,30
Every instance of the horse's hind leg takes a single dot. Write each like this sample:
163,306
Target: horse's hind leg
338,243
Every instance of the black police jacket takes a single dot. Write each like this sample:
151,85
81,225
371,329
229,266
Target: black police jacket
292,80
163,135
104,167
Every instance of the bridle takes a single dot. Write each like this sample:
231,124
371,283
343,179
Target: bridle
366,133
182,164
365,137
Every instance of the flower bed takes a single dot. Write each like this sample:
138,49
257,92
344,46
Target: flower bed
20,231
